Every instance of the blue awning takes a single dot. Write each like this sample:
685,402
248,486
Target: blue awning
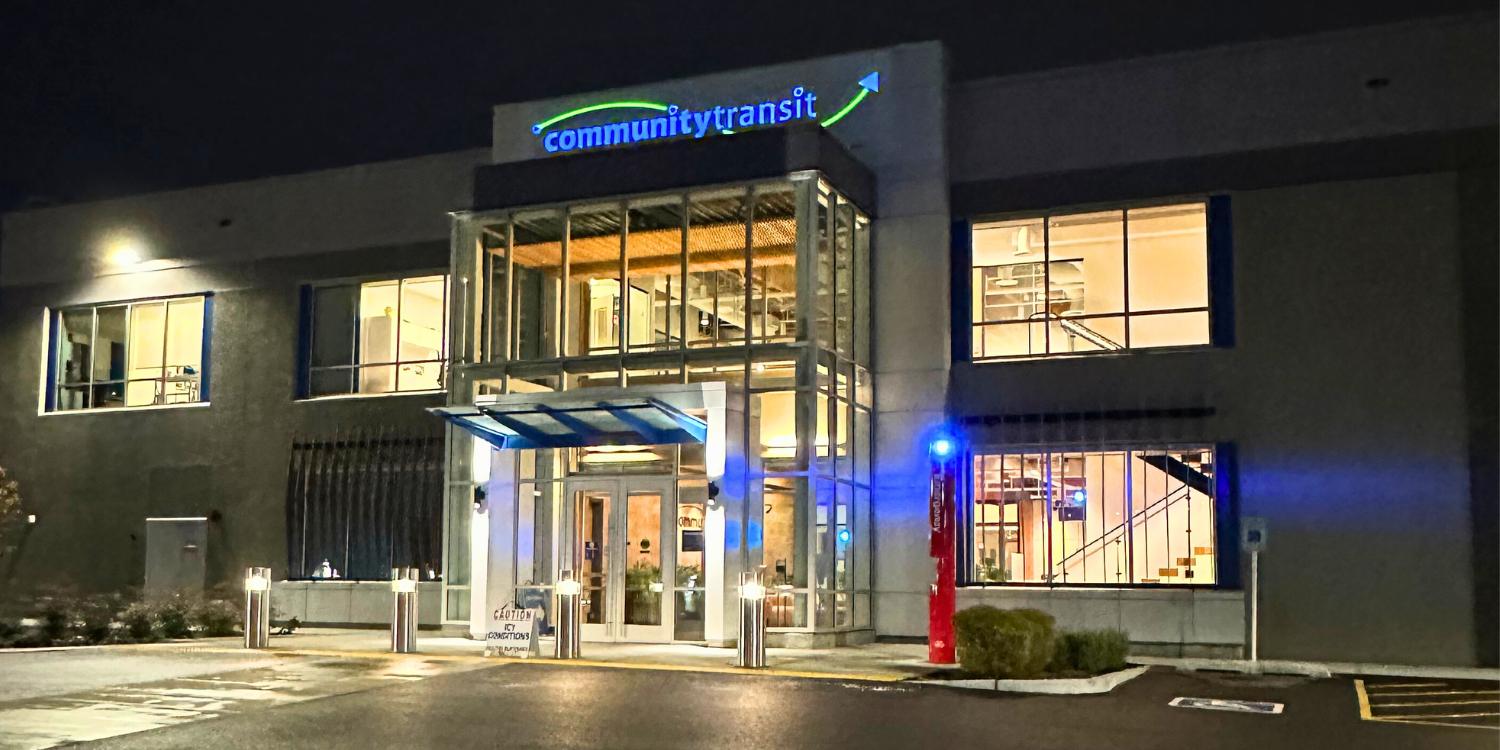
577,424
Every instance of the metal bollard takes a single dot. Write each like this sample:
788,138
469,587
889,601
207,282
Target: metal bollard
752,645
257,607
569,611
404,610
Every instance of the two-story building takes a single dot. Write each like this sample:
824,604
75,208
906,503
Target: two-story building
658,336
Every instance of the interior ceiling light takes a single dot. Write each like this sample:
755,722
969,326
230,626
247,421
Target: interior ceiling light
1022,241
617,454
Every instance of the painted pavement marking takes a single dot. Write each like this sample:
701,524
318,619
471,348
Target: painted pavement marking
1468,705
1227,704
98,714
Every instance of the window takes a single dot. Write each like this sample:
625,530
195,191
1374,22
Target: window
1090,282
705,269
146,353
381,336
1112,517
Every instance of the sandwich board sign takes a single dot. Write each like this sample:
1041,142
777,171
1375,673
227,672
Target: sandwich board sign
1225,704
512,632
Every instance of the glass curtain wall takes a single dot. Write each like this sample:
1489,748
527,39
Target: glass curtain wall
763,286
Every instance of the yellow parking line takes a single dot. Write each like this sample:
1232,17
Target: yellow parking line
1364,700
1389,685
1415,717
1438,703
1439,724
863,677
1421,694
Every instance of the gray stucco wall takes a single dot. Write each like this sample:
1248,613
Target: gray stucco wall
93,477
1344,397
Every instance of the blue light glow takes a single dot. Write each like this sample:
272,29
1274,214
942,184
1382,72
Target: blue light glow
942,447
843,536
1079,497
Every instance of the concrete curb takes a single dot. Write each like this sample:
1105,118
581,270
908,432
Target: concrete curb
1318,670
1063,686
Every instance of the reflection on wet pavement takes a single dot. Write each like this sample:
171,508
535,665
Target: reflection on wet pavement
109,712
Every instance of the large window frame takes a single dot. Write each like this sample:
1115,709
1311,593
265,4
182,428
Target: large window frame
1127,548
171,383
352,367
1044,334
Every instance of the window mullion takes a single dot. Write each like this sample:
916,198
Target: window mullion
396,352
94,348
1125,268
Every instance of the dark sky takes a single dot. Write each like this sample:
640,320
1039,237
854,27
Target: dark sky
107,98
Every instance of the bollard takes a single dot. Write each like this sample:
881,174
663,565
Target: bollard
569,613
257,607
752,645
404,610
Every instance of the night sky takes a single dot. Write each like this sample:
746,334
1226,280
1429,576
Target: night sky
109,98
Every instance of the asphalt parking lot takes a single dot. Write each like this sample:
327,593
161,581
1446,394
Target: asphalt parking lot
159,700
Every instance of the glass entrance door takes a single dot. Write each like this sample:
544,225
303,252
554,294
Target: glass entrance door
621,552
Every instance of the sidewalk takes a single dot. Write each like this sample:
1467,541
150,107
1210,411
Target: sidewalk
886,662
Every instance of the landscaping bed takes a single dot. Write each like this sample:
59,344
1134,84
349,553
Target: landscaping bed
1021,650
65,618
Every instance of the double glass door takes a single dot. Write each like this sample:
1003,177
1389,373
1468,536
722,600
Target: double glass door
622,531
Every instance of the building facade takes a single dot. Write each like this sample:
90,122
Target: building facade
657,337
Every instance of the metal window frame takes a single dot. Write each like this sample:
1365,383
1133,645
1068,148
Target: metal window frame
358,282
1211,308
967,576
53,331
744,351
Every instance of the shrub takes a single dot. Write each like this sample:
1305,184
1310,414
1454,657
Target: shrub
216,617
96,616
1091,651
57,615
175,615
139,620
1004,643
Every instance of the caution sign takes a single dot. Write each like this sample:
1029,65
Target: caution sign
1225,704
512,632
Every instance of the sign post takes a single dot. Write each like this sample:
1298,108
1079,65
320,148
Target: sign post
942,600
1253,540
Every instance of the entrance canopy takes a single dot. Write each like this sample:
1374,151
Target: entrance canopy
579,419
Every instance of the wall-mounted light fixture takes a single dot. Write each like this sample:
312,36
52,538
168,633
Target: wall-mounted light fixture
123,249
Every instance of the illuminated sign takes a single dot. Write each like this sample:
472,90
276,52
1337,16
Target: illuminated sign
672,121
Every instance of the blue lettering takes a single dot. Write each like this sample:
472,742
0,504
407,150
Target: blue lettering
701,119
679,121
616,132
